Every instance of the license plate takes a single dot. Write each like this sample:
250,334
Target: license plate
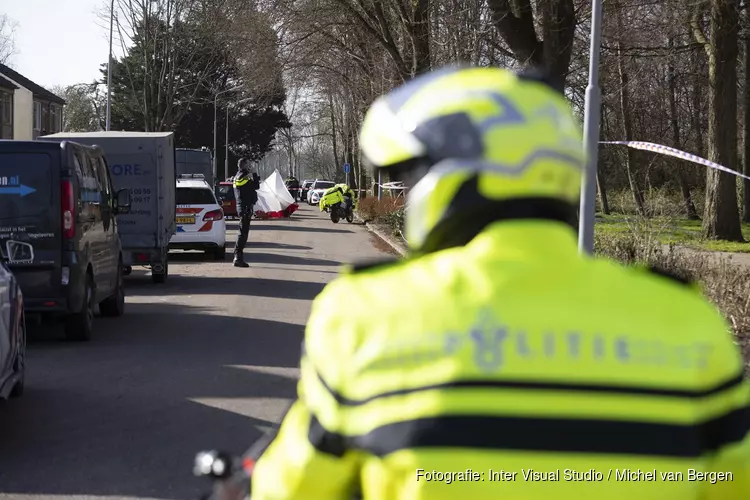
186,220
226,204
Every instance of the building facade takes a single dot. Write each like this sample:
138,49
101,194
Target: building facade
27,110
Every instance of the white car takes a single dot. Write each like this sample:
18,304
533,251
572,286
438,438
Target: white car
200,219
316,191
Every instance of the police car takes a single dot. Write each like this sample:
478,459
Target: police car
200,219
317,189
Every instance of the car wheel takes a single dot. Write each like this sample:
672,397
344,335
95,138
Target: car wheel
114,305
161,278
217,253
19,367
79,326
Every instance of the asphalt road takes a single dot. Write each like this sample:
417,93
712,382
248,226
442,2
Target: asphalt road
207,360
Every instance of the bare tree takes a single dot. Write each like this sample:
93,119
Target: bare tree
515,20
7,39
167,40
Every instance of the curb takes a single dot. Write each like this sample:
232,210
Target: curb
390,240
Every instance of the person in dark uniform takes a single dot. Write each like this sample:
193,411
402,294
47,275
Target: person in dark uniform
246,185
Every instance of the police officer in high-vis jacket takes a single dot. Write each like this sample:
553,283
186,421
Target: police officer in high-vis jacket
246,185
497,362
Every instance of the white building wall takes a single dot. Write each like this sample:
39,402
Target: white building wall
23,113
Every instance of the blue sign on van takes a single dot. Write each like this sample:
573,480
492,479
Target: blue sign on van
12,185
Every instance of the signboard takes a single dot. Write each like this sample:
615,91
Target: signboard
347,168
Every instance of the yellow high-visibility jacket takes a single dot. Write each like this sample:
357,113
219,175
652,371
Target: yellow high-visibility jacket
334,195
513,369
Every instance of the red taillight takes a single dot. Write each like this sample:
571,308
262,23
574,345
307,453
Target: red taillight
67,201
141,257
213,215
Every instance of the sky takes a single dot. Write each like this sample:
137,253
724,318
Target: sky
58,42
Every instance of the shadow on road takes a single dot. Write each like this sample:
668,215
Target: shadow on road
223,285
273,258
250,256
259,223
190,256
306,229
125,414
269,244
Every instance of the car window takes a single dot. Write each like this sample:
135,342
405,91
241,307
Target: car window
225,193
104,180
90,191
25,184
323,185
195,196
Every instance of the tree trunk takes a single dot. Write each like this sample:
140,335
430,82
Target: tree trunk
721,218
746,127
690,211
333,128
627,126
697,95
420,32
601,179
514,20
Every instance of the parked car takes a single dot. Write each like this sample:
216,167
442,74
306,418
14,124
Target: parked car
200,220
12,336
317,189
59,233
225,194
305,188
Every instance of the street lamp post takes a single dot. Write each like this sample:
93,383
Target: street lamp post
226,152
226,146
216,96
591,136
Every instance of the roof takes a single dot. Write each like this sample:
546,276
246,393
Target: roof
193,183
7,84
35,89
96,135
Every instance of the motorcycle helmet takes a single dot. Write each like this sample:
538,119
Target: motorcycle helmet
476,145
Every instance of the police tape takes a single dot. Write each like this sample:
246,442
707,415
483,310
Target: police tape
666,150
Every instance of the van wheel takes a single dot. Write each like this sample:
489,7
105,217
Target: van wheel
114,305
161,278
79,326
20,364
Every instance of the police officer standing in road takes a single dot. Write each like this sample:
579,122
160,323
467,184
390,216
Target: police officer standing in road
246,185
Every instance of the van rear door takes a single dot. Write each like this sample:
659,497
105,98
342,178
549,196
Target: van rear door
30,223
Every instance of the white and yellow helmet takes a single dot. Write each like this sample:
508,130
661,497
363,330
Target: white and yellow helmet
485,144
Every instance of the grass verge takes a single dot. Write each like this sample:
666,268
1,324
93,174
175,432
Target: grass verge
670,231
